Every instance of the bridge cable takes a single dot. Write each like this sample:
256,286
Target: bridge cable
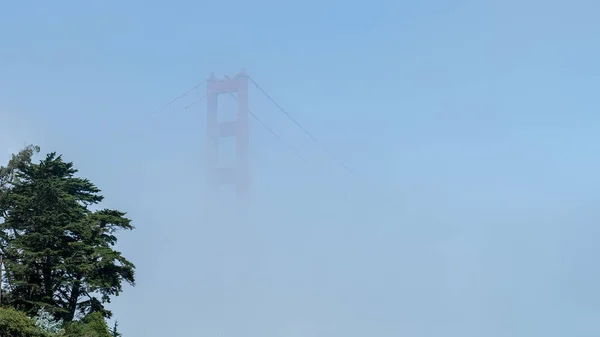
306,132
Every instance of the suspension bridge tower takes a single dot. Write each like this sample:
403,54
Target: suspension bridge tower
238,175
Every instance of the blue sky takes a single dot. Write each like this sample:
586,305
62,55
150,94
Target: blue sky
471,125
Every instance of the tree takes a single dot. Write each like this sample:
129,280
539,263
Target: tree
92,325
47,323
7,174
7,177
14,323
114,332
58,253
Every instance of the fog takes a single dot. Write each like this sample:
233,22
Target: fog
470,130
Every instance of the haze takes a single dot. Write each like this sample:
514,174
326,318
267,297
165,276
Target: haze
472,127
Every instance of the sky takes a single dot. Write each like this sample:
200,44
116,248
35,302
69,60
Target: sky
470,125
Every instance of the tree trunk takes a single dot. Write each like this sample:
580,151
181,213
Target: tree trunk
75,293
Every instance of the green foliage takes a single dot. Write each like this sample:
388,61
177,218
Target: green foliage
93,325
14,323
7,173
58,253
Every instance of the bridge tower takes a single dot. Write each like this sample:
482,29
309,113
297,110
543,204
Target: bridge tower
239,174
